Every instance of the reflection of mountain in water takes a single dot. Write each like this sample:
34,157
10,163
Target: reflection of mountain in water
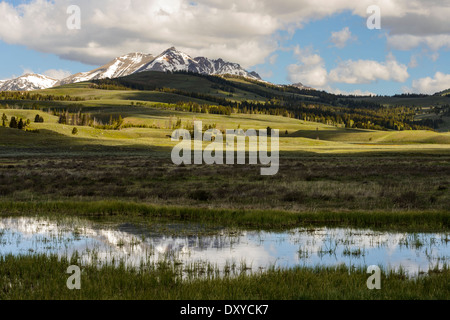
136,244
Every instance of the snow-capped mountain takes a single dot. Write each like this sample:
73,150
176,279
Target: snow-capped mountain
119,67
300,85
28,82
175,60
170,60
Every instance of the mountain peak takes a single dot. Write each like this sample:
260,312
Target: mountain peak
300,85
174,60
169,50
170,60
28,82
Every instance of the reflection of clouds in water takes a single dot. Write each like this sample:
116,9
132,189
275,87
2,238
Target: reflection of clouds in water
321,246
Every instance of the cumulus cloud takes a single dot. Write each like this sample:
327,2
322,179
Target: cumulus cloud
311,70
408,42
356,92
57,73
430,85
340,38
244,31
112,28
413,63
419,23
273,59
26,71
367,71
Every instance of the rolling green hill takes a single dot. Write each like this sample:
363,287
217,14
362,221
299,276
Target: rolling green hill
445,92
150,103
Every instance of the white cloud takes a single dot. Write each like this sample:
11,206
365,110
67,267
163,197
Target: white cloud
430,85
354,92
265,73
244,31
57,74
413,63
434,56
26,71
114,27
273,59
309,75
340,38
367,71
311,70
408,42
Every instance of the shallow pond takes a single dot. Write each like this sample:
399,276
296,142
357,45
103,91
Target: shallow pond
191,244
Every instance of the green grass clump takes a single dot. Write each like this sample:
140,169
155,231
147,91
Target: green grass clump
45,277
260,219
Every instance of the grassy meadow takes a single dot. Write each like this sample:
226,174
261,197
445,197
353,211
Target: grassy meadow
329,175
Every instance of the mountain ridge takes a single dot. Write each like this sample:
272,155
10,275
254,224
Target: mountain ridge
119,67
174,60
28,82
170,60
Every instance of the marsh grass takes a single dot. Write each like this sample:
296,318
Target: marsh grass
44,277
253,219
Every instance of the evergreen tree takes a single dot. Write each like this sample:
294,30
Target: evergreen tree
20,126
119,122
4,119
13,123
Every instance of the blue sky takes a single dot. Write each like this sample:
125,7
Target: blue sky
365,45
323,45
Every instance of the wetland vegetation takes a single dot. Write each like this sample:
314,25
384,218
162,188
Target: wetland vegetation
333,174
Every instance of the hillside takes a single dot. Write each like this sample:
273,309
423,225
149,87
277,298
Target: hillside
445,92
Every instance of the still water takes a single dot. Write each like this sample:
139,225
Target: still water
188,244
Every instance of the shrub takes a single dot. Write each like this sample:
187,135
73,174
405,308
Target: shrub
201,195
294,196
75,131
408,199
38,119
4,119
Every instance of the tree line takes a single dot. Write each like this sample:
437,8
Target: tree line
19,95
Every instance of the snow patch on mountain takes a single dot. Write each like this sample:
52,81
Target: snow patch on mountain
174,60
170,60
28,82
301,86
119,67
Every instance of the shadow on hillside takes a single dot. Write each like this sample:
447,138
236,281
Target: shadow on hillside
14,141
328,134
